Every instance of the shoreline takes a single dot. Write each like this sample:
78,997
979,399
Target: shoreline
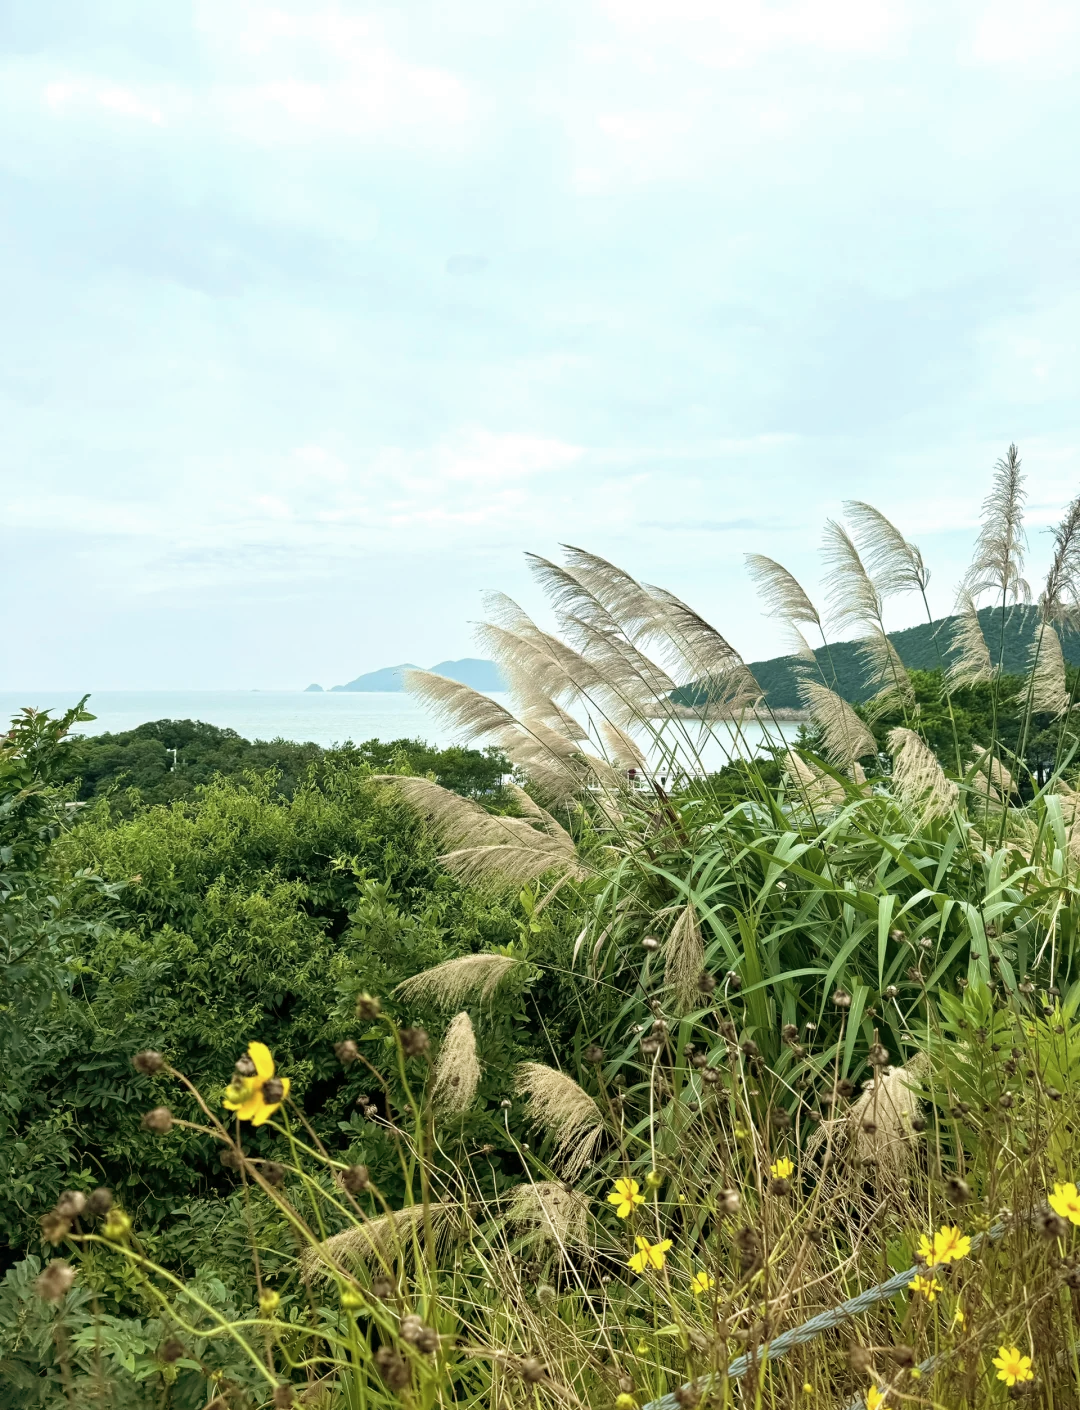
781,715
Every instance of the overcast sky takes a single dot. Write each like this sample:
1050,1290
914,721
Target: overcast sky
316,317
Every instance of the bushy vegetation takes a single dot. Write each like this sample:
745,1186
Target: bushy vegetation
165,760
592,1093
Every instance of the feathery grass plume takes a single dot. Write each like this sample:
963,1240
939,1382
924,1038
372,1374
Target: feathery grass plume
623,596
377,1242
552,1211
552,668
706,657
882,660
999,550
532,810
684,958
622,748
474,714
895,564
507,866
782,594
853,596
1001,782
1049,693
845,736
918,778
457,1067
570,1115
494,852
817,789
971,662
532,704
449,983
886,1106
1058,599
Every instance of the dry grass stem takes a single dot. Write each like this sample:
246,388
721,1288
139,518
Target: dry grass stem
971,662
684,958
918,779
562,1108
846,737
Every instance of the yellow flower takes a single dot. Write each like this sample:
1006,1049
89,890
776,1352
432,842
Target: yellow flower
648,1255
246,1095
269,1302
781,1169
1013,1367
351,1299
1066,1201
958,1318
807,1388
929,1287
117,1225
624,1196
874,1398
701,1283
949,1244
625,1402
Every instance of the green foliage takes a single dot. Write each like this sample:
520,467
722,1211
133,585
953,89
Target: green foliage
926,647
165,760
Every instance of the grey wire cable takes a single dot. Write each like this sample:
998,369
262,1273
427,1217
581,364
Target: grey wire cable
823,1322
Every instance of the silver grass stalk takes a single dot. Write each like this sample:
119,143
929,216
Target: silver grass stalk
999,550
1001,783
378,1242
474,714
853,596
457,1067
846,738
552,669
684,958
507,867
885,669
971,663
570,1115
1049,693
624,597
622,749
919,781
450,983
532,810
895,564
880,1119
782,594
552,1212
817,789
1058,599
705,655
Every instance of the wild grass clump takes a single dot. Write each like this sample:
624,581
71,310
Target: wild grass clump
801,1126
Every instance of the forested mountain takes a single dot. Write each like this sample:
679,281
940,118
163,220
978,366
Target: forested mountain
923,648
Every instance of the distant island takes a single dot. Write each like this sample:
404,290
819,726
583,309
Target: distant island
480,675
313,687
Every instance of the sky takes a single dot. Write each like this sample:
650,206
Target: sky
317,317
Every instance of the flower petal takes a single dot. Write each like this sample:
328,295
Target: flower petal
259,1054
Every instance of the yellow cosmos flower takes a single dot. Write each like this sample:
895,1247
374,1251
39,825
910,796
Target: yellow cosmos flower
929,1287
781,1169
648,1255
247,1096
1013,1367
1066,1201
701,1283
874,1399
625,1196
949,1245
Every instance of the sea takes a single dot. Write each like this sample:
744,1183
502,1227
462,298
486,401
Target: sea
333,717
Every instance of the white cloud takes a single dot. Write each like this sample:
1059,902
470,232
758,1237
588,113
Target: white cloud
64,95
1041,31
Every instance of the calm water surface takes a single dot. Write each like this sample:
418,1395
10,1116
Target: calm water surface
323,718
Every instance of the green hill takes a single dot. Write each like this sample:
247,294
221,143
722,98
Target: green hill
922,648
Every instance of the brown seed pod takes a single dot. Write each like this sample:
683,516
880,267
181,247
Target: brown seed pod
100,1201
245,1066
532,1370
414,1042
273,1090
54,1280
391,1366
148,1062
346,1051
159,1120
367,1006
355,1178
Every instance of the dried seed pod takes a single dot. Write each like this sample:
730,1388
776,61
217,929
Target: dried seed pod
650,943
70,1204
959,1190
733,981
1051,1225
878,1056
355,1178
789,1033
411,1327
159,1120
273,1090
1052,1093
54,1228
903,1356
148,1061
861,1358
99,1202
532,1370
382,1287
686,1397
245,1066
391,1366
706,982
284,1398
171,1351
414,1042
779,1186
594,1053
841,999
367,1006
347,1051
273,1173
749,1048
892,992
54,1280
231,1158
